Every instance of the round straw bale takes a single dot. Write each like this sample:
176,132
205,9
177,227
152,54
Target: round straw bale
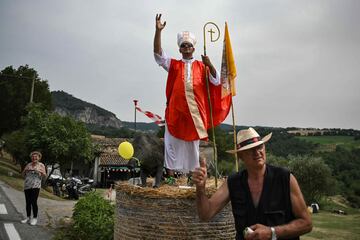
168,212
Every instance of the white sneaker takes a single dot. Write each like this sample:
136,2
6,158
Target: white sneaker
33,221
26,220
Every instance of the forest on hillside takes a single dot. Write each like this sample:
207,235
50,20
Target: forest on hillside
340,167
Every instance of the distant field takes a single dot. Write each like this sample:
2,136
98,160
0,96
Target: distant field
334,227
329,143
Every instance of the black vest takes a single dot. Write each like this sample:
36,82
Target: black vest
274,207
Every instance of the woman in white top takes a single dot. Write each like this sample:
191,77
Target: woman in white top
33,173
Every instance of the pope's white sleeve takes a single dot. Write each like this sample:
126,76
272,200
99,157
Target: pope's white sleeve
163,60
216,81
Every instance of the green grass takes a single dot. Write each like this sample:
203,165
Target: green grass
5,163
334,227
329,143
337,202
102,191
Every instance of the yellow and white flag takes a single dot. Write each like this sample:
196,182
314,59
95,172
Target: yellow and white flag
228,68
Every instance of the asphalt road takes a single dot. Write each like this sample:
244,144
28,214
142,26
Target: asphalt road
51,212
49,216
10,226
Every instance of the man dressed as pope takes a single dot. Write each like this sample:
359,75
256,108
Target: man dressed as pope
187,113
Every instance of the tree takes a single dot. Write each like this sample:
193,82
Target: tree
276,160
15,88
313,175
224,142
346,169
15,144
60,139
282,143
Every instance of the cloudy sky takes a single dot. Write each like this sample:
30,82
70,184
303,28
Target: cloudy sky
298,61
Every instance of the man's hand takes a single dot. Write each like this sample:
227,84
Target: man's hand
206,61
261,232
199,176
159,26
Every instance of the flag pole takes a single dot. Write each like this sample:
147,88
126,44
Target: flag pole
135,105
231,74
234,133
208,93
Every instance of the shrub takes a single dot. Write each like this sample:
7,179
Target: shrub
93,218
313,175
277,160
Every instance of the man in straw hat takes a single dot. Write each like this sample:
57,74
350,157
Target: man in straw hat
265,198
187,112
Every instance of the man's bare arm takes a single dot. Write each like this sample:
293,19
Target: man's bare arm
157,39
208,208
303,223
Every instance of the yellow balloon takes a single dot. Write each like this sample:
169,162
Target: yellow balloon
126,150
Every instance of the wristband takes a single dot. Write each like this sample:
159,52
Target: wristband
273,233
247,231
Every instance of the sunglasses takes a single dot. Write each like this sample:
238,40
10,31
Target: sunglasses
186,45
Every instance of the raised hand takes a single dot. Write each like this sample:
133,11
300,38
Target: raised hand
200,174
159,26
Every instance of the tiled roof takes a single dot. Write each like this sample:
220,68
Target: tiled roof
111,159
107,145
104,141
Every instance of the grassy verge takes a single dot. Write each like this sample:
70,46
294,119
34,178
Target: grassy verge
334,227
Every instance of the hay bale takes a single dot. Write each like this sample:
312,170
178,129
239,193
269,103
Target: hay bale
168,212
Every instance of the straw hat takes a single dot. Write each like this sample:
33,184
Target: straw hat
36,152
186,36
249,138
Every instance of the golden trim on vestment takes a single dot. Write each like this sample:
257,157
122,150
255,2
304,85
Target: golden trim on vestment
193,108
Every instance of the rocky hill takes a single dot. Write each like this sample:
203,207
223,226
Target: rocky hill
68,105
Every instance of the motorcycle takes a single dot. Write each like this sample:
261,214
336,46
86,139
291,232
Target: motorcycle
56,184
87,186
56,181
71,188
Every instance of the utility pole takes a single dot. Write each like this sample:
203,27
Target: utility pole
32,84
32,89
135,104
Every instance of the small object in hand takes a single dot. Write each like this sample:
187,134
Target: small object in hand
247,231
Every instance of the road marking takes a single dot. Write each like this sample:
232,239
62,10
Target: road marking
11,231
3,209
